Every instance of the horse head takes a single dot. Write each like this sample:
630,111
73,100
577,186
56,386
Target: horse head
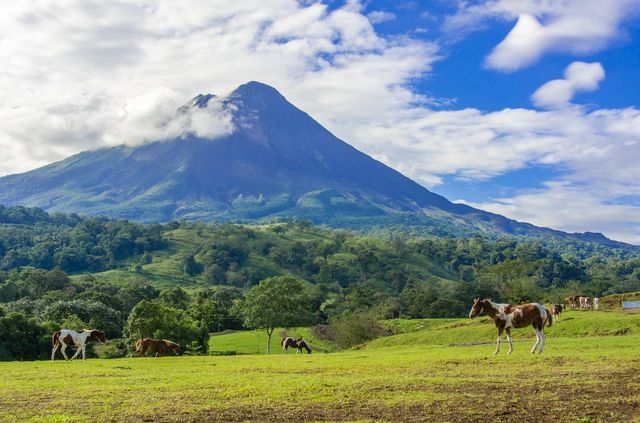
97,335
478,307
170,345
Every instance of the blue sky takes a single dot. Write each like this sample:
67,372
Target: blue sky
527,108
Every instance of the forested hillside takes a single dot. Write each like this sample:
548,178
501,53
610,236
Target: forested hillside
185,279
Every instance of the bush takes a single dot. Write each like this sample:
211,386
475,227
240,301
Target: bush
349,330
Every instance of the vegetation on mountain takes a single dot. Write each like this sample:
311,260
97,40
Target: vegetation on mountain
197,274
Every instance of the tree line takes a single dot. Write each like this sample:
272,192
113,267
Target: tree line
345,281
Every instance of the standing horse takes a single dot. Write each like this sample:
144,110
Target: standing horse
556,309
596,303
298,343
158,346
584,302
506,317
67,337
573,301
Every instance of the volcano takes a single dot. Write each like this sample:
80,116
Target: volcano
272,161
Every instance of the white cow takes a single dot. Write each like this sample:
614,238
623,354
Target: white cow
596,303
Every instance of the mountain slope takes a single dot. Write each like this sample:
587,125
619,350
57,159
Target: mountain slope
278,161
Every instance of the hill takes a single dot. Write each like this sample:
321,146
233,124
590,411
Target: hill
269,160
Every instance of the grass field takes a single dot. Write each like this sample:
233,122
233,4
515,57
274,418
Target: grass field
584,375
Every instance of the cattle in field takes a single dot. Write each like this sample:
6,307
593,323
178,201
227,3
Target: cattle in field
506,316
556,309
66,337
596,303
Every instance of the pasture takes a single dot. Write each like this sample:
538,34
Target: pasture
588,372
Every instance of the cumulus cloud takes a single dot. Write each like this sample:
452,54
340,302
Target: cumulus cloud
380,16
572,26
571,208
80,75
578,76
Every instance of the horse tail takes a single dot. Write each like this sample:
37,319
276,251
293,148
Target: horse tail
549,319
55,338
138,345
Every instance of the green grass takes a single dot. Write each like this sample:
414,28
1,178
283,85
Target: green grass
578,378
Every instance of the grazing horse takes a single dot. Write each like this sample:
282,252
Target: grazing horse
556,309
66,337
298,343
596,303
573,301
506,316
158,346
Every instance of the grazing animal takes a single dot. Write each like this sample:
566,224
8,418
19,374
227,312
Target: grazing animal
584,302
158,346
66,337
506,316
596,303
556,309
298,343
573,301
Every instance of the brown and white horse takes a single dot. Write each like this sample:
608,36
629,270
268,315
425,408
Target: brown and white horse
584,302
573,301
66,337
556,309
506,316
298,343
158,346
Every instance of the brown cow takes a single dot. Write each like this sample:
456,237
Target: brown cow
158,346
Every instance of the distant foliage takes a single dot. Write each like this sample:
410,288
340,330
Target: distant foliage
31,237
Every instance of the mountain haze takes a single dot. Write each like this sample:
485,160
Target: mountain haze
277,161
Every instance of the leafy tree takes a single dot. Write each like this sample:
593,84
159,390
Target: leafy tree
279,301
175,297
21,338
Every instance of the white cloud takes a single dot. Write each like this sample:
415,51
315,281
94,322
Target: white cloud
571,26
380,16
571,208
578,76
80,75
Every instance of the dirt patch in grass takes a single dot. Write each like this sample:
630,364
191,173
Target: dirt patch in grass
501,401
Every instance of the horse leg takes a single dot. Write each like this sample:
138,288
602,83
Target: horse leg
77,353
508,330
53,351
543,338
84,352
63,351
500,329
535,346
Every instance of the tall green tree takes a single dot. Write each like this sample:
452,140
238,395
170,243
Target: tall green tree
279,301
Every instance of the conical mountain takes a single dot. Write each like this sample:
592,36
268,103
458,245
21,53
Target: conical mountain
271,159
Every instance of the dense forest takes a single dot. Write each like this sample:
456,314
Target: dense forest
183,280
